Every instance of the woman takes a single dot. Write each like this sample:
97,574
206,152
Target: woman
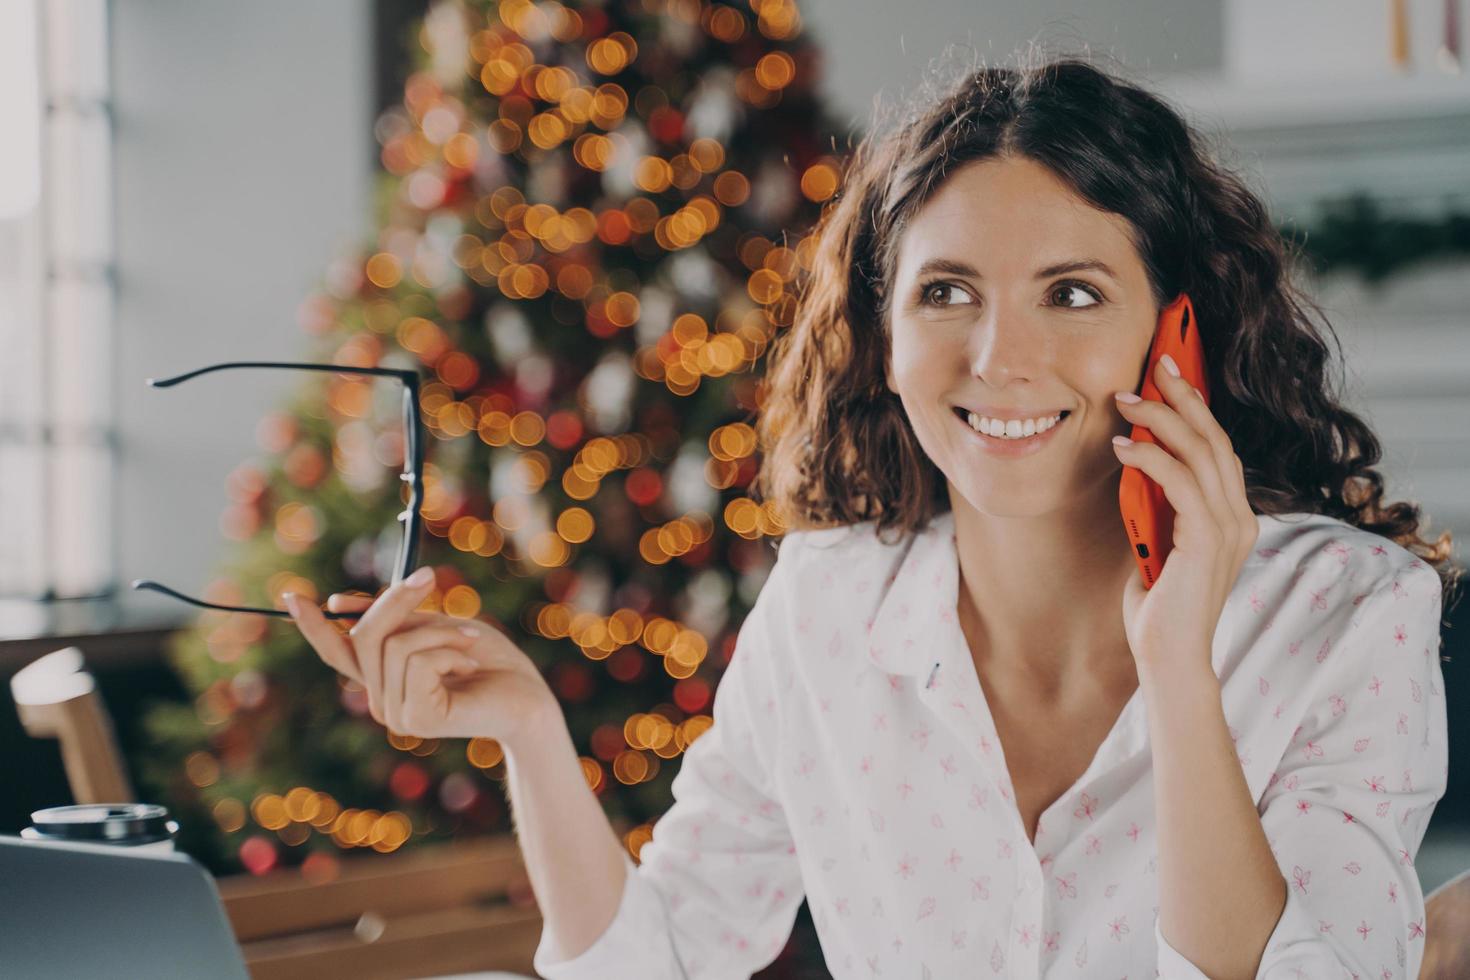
978,746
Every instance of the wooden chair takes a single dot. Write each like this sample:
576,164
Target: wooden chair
55,697
455,908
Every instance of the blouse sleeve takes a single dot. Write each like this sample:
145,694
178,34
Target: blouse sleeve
718,886
1347,808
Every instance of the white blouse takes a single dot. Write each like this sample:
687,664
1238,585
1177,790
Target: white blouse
853,760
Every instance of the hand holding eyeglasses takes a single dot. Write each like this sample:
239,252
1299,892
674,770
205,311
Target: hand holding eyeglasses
428,674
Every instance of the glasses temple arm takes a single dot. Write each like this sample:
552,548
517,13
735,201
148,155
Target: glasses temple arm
143,583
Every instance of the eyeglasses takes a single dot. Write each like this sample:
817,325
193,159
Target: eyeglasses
413,475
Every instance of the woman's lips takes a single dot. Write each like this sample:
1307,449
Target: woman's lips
1010,447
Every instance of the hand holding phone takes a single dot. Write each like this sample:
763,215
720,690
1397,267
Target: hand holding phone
1147,516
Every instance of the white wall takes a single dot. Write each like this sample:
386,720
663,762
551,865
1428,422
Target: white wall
243,156
873,47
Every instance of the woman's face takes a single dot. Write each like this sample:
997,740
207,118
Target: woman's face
1000,328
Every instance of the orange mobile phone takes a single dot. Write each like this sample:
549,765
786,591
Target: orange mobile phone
1147,515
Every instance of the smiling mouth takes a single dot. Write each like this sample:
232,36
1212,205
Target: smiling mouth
963,415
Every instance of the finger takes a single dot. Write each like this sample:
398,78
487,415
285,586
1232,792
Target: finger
385,616
351,602
348,607
330,645
1237,521
344,602
492,649
1192,433
1172,435
390,607
1202,442
1175,478
426,698
400,646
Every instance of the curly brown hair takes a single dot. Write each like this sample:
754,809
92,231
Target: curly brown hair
837,446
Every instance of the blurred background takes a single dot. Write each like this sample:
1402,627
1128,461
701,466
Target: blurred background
583,225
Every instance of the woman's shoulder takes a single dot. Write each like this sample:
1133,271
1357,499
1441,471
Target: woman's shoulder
1323,620
1300,596
1297,552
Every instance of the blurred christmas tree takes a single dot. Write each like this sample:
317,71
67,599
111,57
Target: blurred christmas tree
589,234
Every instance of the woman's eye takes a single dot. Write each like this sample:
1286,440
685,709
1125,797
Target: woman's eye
934,289
929,295
1078,288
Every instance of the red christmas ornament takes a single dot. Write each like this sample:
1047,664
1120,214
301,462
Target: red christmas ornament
258,854
305,466
666,125
563,429
746,471
607,741
594,23
571,681
699,555
561,584
598,325
627,664
409,781
643,486
692,695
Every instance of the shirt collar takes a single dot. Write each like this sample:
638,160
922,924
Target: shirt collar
906,627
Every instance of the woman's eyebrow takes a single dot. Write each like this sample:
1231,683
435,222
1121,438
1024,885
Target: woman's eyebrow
957,268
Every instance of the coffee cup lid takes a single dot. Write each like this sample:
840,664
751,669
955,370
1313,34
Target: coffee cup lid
129,823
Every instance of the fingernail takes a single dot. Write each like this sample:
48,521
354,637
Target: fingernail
469,631
290,599
1169,365
1127,396
423,576
1122,441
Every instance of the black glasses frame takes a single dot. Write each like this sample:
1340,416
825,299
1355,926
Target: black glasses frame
413,475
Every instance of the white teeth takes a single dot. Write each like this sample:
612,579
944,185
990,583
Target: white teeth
1013,429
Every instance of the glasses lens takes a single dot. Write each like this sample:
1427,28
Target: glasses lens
316,511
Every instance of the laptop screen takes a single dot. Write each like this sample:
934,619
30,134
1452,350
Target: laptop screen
78,910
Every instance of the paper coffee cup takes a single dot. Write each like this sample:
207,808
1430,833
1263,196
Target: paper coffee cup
138,826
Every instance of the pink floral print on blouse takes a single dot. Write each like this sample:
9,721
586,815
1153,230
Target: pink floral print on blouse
853,761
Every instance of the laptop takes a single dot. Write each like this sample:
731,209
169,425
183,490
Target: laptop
71,910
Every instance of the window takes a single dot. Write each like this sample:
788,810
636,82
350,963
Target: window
56,304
